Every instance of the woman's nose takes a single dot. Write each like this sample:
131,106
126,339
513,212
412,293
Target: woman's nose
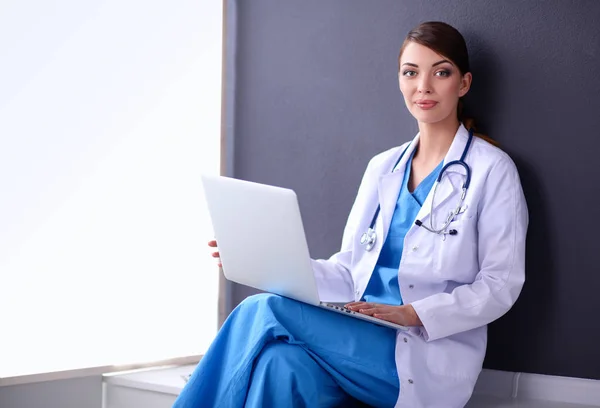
424,86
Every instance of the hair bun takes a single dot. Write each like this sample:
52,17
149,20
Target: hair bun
469,123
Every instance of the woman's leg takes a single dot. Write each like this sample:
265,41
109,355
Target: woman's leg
221,379
357,354
286,376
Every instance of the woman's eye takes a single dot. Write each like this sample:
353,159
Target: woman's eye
409,73
443,73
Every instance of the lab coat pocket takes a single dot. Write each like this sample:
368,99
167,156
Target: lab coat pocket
460,356
455,254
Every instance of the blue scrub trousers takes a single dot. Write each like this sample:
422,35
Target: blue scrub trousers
276,352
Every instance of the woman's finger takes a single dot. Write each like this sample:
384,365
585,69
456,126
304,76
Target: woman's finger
367,311
364,305
353,304
212,243
374,310
389,317
371,306
216,255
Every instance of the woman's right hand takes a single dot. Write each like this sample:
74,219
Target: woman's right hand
215,254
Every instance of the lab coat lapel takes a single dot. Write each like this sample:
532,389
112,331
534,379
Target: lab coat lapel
388,189
451,183
389,185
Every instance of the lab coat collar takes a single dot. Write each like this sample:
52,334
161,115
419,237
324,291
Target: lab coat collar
456,150
390,182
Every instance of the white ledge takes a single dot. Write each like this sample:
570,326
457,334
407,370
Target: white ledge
91,371
166,380
498,389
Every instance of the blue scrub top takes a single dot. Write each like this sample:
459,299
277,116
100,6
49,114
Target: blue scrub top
383,285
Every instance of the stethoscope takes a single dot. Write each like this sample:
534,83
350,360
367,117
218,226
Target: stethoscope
369,238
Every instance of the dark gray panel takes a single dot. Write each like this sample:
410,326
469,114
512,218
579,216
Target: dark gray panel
316,96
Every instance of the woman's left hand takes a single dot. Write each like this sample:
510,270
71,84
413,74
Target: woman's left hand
404,315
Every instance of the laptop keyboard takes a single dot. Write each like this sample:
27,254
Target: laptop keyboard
341,308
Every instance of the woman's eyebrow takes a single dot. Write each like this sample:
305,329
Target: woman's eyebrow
441,62
436,64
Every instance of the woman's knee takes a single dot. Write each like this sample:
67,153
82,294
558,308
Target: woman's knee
258,298
268,300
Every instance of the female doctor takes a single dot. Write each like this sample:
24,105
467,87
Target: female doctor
444,254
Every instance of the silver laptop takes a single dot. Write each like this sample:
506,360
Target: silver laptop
261,240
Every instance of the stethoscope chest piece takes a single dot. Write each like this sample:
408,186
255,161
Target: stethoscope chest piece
368,239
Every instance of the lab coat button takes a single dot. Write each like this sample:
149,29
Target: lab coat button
411,286
410,381
405,340
415,248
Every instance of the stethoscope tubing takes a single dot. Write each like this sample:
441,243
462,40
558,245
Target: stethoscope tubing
368,238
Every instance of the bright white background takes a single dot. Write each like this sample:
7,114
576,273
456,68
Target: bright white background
109,113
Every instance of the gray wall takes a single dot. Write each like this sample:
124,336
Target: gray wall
83,392
315,96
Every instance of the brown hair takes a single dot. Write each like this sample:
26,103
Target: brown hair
448,42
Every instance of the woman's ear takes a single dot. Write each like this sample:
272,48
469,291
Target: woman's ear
465,84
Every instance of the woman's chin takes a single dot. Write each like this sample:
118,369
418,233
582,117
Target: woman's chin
430,118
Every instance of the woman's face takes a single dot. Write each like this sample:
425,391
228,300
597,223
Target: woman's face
431,84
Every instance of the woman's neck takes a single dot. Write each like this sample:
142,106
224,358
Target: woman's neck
435,140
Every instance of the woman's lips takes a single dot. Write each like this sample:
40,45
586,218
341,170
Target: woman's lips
426,104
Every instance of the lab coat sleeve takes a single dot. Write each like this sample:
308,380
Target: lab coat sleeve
333,276
502,228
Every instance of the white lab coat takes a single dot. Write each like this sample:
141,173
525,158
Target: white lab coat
457,285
